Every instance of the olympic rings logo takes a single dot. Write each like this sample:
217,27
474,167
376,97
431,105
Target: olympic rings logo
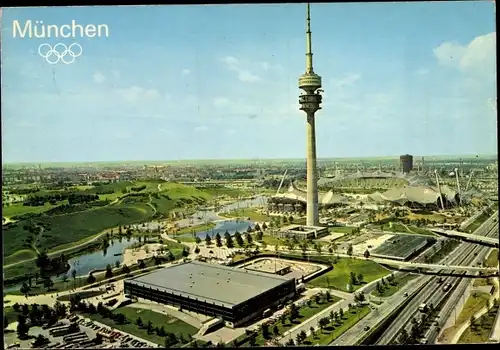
60,53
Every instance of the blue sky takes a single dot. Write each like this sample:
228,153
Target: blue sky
206,82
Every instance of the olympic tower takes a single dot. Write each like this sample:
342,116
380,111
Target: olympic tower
310,101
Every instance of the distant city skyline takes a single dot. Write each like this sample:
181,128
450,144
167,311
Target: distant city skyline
220,82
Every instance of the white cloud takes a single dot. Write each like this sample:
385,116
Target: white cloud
347,80
116,73
221,102
201,128
243,74
99,77
479,56
135,94
185,72
422,71
165,131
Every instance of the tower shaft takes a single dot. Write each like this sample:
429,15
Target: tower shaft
310,102
312,173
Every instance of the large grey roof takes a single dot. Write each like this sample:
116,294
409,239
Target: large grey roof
293,193
416,194
221,285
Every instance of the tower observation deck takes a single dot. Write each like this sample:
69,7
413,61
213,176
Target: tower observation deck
310,101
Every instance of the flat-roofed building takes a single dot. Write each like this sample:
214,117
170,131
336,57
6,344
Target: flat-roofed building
301,232
232,294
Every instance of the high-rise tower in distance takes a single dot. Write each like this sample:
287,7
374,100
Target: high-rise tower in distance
310,101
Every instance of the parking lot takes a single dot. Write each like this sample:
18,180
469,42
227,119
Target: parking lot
83,337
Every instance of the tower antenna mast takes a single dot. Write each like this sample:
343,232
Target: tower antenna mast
310,101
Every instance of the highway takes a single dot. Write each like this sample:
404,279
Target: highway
356,333
433,292
472,237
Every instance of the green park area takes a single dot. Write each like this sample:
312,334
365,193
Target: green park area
142,323
480,331
62,220
390,285
490,261
340,276
397,227
196,228
293,317
247,213
336,325
473,226
171,251
474,303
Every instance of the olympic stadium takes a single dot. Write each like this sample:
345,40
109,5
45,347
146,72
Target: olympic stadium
295,200
373,180
415,191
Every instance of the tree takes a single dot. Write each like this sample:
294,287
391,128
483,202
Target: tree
125,269
248,238
109,272
197,250
360,278
73,274
328,296
349,249
185,252
276,330
5,322
120,318
40,340
25,289
197,240
47,283
239,239
91,279
323,323
208,240
141,264
352,278
265,330
218,240
139,322
367,254
149,327
22,327
229,241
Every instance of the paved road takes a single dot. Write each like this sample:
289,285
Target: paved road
466,254
356,333
313,321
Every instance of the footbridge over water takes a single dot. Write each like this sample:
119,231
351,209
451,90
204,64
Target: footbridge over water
489,241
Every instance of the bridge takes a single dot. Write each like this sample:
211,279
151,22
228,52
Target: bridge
391,262
491,241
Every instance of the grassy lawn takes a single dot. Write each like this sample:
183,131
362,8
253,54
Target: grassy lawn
247,213
19,209
271,241
492,259
20,255
473,304
473,226
197,228
305,312
171,324
391,289
481,332
397,227
338,278
333,331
